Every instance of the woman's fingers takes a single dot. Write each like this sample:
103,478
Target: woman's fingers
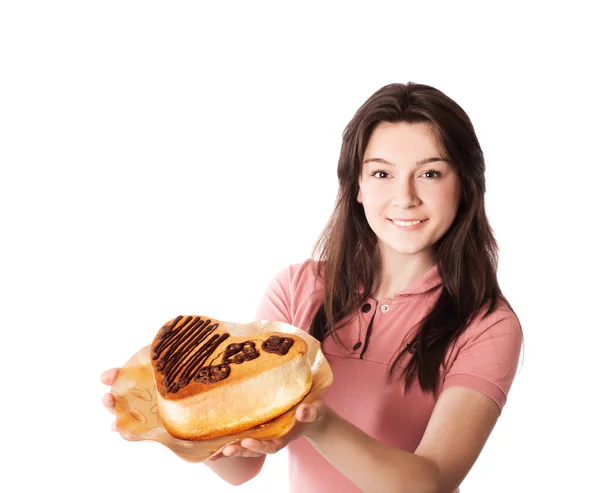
250,447
260,446
239,451
109,402
108,377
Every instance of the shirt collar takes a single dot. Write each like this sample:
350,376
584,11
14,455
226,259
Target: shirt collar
428,281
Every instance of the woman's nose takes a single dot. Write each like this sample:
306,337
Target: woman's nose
405,194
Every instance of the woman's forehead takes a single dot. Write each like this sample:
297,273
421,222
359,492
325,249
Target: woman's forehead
403,144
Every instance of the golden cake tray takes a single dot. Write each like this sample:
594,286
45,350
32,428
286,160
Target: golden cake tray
135,397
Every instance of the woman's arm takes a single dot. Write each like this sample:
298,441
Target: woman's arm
461,422
237,470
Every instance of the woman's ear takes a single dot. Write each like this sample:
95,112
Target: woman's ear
359,196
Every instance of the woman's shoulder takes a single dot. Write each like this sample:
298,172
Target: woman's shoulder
492,321
291,293
299,275
486,355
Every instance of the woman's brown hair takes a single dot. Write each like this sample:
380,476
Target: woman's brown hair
466,256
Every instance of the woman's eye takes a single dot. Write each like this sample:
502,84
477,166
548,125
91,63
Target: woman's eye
431,173
380,174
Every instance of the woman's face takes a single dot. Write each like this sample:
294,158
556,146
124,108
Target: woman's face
409,192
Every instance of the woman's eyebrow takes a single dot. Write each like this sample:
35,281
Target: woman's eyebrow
418,163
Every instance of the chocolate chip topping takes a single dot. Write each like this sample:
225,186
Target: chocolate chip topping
212,374
232,349
247,348
277,345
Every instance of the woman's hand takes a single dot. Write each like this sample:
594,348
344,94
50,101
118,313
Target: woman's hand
107,378
311,418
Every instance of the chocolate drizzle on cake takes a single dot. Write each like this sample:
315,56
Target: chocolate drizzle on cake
184,348
247,349
212,374
277,345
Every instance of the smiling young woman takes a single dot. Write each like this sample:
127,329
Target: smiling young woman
410,194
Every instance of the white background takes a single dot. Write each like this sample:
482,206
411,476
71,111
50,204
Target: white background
161,158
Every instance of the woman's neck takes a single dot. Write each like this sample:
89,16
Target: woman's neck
398,272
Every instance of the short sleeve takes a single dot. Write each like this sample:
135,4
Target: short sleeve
276,302
488,356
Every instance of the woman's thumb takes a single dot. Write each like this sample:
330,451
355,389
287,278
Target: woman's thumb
307,413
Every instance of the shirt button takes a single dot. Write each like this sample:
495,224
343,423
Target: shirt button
366,308
385,308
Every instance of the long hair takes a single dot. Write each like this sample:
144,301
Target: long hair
466,256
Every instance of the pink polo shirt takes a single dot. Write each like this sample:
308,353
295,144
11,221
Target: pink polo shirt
485,358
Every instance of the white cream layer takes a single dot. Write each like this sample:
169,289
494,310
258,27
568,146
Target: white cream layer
247,400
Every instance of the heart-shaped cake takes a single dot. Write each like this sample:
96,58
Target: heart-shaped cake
210,383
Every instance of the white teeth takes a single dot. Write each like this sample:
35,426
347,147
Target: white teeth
406,223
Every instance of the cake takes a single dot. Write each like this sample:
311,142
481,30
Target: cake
210,383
